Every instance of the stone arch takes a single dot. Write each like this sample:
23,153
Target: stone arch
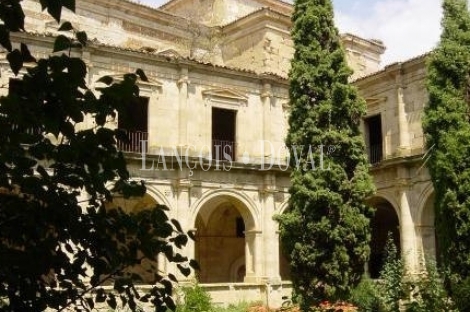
238,270
388,196
385,220
226,230
284,206
248,208
158,195
284,268
426,195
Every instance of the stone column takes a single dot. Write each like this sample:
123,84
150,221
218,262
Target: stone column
182,110
250,237
182,188
271,234
258,258
407,231
403,129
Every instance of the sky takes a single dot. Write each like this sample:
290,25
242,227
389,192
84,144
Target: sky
407,28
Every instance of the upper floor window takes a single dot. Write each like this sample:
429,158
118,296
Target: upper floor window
134,120
16,88
223,133
373,138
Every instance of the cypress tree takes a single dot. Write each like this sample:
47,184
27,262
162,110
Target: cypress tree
325,232
447,129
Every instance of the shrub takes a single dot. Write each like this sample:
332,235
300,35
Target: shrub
391,287
365,296
195,299
460,294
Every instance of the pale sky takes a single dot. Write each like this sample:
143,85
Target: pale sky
408,28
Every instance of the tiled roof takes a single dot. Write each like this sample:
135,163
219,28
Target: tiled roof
96,43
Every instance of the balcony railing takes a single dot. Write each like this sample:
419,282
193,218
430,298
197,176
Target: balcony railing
135,142
375,153
223,150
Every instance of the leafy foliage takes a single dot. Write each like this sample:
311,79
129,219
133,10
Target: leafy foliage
366,296
392,288
395,291
326,231
447,129
58,242
195,299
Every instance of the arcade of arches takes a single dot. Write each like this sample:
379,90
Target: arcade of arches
230,248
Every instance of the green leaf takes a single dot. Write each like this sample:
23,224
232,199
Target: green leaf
27,57
90,302
192,234
194,264
77,68
177,225
15,58
172,278
107,80
184,270
5,38
100,295
54,8
61,43
66,26
112,301
82,37
141,75
69,4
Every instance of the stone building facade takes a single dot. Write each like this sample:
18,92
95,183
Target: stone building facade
208,135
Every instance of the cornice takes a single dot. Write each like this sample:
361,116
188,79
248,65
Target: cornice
374,45
47,40
281,6
254,18
390,71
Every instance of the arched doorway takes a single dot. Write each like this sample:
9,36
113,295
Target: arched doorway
385,221
223,239
284,265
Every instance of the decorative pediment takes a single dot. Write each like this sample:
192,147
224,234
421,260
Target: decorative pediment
169,53
225,96
372,101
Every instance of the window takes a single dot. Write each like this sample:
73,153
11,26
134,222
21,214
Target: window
223,134
373,134
134,120
16,88
240,227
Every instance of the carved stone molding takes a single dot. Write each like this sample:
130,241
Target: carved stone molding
224,97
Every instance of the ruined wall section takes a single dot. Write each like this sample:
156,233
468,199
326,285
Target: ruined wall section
362,55
126,25
222,12
260,42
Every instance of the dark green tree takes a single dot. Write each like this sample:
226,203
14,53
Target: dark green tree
56,251
326,231
447,129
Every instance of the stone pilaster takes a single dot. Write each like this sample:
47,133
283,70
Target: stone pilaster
183,83
403,128
266,95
